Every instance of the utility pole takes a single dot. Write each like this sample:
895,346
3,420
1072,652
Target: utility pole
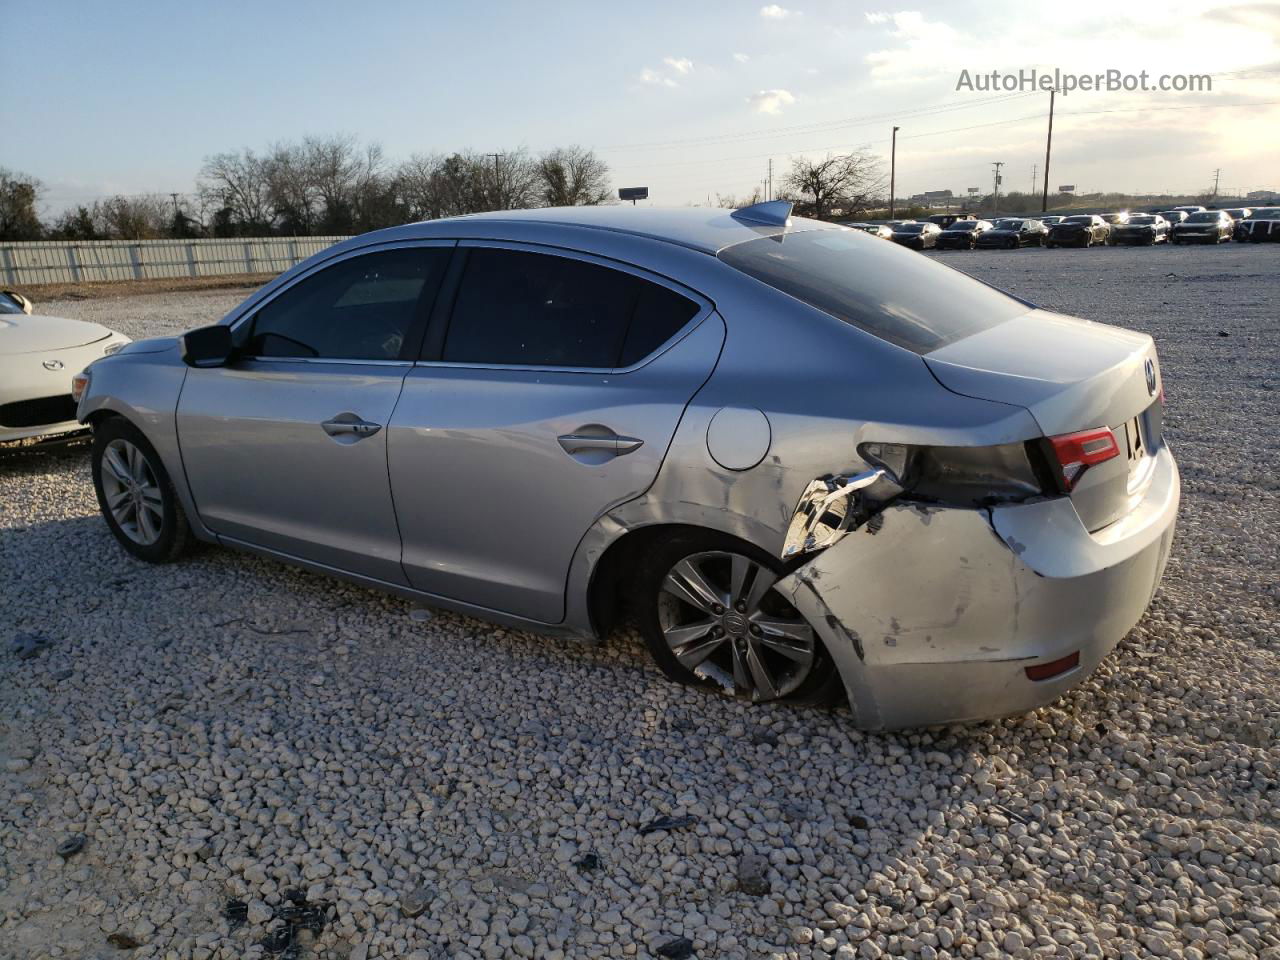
995,194
1216,174
1033,181
893,169
1048,144
497,185
768,192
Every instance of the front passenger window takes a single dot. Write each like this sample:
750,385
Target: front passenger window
361,308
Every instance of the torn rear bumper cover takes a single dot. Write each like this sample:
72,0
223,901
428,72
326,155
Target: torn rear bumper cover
935,616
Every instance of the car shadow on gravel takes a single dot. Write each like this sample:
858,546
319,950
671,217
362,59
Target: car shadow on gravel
22,454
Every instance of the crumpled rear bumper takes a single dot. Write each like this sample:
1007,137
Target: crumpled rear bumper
932,614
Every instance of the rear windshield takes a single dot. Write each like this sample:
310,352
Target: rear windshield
1078,220
911,228
899,296
1209,216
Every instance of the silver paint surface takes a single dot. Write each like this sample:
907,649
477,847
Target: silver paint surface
468,498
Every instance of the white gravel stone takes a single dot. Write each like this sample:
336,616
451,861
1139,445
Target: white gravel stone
1135,817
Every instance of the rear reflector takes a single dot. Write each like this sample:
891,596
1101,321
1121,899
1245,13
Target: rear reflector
1047,671
1076,452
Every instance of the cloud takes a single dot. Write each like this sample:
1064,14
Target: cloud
665,75
920,40
655,79
775,12
771,101
741,57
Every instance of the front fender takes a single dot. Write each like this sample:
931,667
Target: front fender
144,387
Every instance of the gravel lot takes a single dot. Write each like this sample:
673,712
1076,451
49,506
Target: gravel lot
233,728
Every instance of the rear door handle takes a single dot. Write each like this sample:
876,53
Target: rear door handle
612,443
348,428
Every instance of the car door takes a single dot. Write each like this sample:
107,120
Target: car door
285,448
547,396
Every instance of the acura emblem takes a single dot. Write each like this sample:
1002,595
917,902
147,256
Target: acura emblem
52,364
1150,367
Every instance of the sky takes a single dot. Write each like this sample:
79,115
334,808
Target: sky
689,99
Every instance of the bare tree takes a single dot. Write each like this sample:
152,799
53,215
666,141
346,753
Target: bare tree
343,175
838,185
19,194
573,176
241,184
144,217
511,181
294,197
729,201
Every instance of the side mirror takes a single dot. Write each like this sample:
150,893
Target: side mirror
207,346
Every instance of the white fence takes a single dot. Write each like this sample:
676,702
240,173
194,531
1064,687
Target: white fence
91,261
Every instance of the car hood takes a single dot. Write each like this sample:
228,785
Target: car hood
150,345
20,333
1071,374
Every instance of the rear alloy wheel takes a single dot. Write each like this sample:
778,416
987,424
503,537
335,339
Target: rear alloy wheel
135,494
711,617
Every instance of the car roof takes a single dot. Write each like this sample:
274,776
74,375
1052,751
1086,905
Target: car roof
700,228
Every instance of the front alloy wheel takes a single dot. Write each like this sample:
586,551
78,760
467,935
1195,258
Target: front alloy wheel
132,492
135,493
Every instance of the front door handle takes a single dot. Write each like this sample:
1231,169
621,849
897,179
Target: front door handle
349,427
574,443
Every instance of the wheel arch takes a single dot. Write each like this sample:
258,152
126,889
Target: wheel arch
605,599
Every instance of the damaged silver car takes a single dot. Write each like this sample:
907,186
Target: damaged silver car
810,464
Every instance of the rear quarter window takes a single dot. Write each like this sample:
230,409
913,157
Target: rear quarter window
897,295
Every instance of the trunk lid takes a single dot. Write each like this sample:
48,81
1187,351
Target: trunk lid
1071,375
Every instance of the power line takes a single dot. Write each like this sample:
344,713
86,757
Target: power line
935,133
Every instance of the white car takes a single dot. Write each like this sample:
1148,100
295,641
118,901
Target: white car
38,357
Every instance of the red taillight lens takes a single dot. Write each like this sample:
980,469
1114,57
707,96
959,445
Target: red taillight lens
1055,668
1076,452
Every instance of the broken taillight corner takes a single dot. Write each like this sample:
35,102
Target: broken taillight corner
1076,452
1054,668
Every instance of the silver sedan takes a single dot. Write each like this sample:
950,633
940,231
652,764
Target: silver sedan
809,464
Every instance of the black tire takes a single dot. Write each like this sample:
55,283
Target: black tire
174,537
821,685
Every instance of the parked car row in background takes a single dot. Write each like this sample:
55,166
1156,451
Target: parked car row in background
1185,224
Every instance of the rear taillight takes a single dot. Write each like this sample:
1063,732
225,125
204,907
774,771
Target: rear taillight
1077,452
958,476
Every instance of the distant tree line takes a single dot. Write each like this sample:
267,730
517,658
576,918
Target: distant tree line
321,186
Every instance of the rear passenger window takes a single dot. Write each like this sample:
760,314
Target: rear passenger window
358,309
659,313
530,309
